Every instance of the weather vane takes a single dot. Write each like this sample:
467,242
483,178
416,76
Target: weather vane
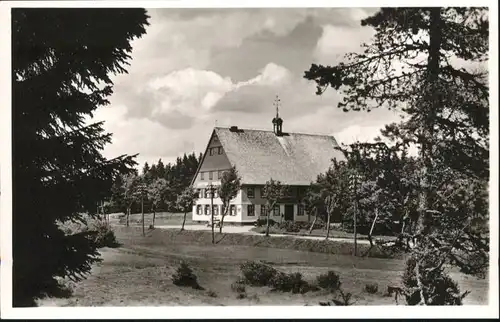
277,104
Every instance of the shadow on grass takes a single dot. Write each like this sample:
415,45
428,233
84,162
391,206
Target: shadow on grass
221,239
114,244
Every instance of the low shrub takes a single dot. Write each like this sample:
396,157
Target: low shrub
257,274
438,287
262,222
96,229
184,276
290,226
211,293
104,235
343,300
272,230
240,296
292,282
238,287
371,288
319,224
329,281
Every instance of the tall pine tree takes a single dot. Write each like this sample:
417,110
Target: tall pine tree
62,60
420,62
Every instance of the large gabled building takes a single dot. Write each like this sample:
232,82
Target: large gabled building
295,159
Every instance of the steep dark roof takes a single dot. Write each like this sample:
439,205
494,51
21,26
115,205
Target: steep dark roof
294,158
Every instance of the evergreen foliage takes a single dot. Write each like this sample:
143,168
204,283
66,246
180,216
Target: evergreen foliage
62,60
429,64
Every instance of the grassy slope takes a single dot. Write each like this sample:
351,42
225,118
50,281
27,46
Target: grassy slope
139,273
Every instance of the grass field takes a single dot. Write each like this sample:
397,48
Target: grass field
139,273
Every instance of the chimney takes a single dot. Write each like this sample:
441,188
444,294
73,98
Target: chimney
233,129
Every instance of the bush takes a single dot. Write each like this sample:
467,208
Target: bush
292,282
371,288
262,222
240,296
104,235
184,276
320,224
211,293
290,226
329,281
97,230
438,287
257,274
272,230
238,287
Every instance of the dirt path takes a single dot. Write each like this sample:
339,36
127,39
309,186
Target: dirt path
247,230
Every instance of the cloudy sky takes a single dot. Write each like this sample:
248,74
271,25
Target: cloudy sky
196,68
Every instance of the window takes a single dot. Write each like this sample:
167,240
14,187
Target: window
219,174
211,175
263,210
276,210
207,193
216,193
198,210
300,210
202,175
251,210
222,209
250,192
219,150
216,210
198,193
207,210
211,151
232,210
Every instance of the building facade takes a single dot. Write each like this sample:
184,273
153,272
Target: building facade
295,159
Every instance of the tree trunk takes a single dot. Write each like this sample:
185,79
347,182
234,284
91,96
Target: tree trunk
154,217
373,226
184,220
314,222
142,216
221,223
127,217
329,214
212,212
267,222
355,230
431,104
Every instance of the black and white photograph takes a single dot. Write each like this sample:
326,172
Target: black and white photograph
247,157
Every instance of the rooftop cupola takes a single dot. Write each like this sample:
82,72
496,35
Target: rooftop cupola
277,120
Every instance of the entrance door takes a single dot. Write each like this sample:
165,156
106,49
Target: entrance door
289,212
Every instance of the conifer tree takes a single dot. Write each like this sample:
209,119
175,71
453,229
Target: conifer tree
62,60
420,63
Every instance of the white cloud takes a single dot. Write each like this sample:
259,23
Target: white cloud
194,93
271,75
168,102
336,41
355,133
